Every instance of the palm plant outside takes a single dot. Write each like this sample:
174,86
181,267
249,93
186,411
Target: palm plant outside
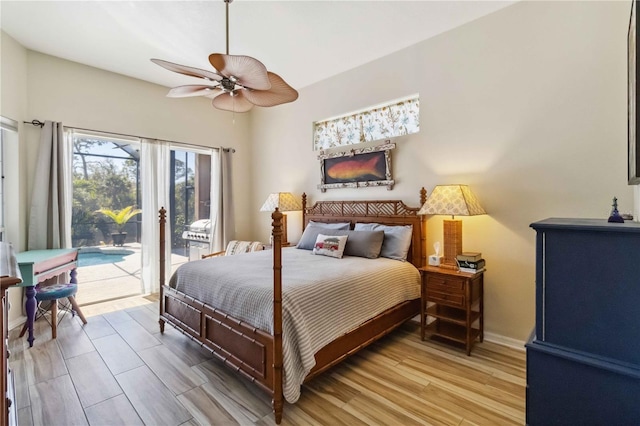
107,173
120,217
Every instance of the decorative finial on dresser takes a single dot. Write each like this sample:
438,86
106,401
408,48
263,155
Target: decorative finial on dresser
615,215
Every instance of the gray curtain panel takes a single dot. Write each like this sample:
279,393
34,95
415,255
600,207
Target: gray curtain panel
50,212
222,223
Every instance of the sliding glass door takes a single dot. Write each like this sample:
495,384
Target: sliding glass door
105,224
107,211
190,195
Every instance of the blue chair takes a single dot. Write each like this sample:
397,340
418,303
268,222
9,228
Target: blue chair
54,293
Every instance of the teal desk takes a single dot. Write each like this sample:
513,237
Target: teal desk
37,266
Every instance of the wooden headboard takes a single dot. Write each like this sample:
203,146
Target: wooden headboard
386,212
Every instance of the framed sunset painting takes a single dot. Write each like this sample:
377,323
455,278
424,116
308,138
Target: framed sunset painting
367,167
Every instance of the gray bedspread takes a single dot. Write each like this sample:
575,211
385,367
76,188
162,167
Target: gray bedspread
323,297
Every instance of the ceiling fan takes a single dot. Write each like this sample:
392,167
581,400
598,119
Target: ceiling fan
237,82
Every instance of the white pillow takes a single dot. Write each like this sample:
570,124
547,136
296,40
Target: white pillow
237,247
330,245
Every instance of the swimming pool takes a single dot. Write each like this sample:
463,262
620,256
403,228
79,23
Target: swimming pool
101,258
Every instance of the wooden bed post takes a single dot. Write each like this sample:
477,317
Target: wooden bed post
304,209
163,221
277,401
423,229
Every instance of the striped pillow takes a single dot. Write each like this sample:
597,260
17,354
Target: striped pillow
236,247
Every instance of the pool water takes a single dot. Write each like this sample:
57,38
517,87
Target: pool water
93,259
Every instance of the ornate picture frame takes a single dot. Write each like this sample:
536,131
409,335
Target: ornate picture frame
633,75
357,168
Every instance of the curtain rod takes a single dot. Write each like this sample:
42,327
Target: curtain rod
41,124
34,123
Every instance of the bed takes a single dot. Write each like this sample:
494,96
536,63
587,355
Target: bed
269,349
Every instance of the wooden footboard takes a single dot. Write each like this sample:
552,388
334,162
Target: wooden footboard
364,335
249,350
241,346
256,354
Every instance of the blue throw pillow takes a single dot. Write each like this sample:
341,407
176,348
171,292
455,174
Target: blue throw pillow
397,239
331,225
310,234
360,243
364,243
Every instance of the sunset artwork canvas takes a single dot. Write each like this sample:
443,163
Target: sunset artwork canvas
365,167
359,168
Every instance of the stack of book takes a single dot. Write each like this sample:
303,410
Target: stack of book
470,262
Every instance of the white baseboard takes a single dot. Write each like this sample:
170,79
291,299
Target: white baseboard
494,338
505,341
18,322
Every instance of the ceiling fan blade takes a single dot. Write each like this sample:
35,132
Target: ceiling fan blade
190,71
248,71
235,103
280,93
194,90
214,93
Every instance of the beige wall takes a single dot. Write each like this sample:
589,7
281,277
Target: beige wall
13,105
89,98
85,97
527,106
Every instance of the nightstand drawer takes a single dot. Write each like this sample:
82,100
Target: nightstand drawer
455,300
445,285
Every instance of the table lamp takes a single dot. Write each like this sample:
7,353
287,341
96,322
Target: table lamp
454,200
285,202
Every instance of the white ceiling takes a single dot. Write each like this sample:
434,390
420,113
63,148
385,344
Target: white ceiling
302,41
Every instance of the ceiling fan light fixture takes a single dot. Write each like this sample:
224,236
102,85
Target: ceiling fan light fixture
231,74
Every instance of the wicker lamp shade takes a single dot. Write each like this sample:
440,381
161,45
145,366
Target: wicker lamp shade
285,202
454,200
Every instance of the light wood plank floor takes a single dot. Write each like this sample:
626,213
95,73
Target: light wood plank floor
119,370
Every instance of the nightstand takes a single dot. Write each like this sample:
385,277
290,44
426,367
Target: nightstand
454,300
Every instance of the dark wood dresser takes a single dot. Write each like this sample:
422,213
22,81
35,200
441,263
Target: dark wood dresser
9,276
583,357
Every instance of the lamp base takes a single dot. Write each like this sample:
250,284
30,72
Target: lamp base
447,266
284,238
452,243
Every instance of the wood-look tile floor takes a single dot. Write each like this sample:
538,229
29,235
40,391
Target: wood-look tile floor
119,370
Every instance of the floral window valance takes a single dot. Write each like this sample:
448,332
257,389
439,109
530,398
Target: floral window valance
397,118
